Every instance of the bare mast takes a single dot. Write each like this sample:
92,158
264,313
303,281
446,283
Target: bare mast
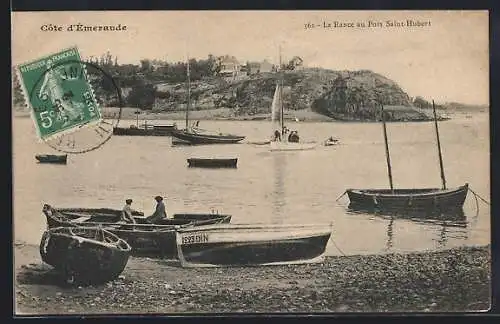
188,94
443,179
282,110
387,155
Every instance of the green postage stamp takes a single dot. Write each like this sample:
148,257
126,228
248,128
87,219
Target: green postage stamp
57,91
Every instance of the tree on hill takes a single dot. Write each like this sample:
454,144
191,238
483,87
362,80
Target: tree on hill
142,96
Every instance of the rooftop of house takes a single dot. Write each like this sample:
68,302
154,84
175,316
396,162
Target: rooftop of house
229,59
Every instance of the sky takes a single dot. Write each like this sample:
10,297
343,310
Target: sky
447,59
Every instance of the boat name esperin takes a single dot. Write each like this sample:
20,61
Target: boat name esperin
196,238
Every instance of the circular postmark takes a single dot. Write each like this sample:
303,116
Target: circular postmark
66,104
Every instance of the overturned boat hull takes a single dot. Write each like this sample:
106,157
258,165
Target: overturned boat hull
251,245
86,255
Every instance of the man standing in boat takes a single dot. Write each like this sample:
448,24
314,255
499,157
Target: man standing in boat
127,212
160,212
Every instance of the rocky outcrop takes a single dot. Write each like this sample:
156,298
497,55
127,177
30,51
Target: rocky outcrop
343,95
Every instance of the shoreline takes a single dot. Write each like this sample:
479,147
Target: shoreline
456,279
223,114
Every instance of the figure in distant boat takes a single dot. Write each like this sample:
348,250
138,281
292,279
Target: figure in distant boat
277,136
293,137
160,211
127,212
331,141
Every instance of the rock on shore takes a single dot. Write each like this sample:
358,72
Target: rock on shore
443,281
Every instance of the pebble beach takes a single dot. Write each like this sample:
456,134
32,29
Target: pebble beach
454,280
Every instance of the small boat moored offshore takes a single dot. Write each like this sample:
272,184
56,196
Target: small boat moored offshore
331,141
144,130
195,136
442,202
212,162
146,239
85,254
52,158
412,200
251,245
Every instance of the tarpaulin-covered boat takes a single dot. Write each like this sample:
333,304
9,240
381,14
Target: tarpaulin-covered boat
85,254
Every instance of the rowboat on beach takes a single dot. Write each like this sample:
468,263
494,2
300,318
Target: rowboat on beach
52,158
151,239
251,245
440,201
85,254
212,162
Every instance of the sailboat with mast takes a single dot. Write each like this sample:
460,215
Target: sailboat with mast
284,139
441,201
194,135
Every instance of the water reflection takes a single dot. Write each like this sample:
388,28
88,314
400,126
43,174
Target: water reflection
454,226
443,238
444,231
279,166
452,218
390,234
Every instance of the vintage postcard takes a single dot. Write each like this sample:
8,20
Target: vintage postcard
174,162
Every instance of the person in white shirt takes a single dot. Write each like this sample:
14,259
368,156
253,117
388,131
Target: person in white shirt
127,212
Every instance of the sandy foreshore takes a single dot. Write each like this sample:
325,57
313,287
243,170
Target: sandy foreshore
442,281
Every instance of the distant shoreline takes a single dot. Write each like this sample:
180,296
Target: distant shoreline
222,114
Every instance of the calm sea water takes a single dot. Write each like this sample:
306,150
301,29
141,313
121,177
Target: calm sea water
268,187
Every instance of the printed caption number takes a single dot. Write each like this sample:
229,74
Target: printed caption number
46,120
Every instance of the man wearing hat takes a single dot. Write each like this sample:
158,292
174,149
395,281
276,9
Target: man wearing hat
160,212
127,212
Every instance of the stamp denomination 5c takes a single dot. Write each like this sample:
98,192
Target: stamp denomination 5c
57,91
